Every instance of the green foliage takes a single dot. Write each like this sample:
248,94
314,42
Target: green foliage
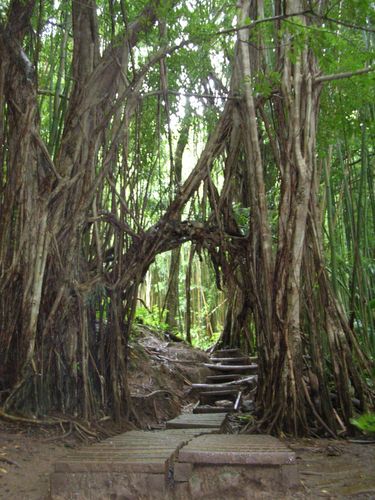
242,215
265,83
346,134
202,341
3,10
151,317
365,423
246,418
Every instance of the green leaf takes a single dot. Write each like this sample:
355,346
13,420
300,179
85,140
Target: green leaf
365,423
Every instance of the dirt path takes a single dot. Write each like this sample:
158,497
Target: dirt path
335,469
26,460
328,469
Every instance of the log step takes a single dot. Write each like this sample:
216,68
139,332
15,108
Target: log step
219,393
218,387
231,368
211,397
212,409
230,377
225,352
242,359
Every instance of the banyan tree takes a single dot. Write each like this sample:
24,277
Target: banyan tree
97,103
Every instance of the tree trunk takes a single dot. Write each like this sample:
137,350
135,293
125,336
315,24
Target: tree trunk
172,299
23,225
293,393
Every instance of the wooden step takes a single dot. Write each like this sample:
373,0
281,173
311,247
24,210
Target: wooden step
232,368
212,409
149,465
225,352
230,377
209,397
248,359
218,387
199,421
219,392
226,361
238,449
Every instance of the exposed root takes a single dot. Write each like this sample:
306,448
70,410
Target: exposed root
24,420
81,430
152,394
62,436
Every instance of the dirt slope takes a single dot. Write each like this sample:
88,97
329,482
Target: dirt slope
160,374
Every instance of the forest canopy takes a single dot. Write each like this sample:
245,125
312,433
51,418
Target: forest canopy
234,141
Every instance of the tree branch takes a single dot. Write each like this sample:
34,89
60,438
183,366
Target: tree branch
342,23
191,94
261,21
341,76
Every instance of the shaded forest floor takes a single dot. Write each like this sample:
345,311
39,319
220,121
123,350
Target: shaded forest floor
161,372
328,469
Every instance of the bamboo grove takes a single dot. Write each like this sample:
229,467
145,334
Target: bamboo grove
99,105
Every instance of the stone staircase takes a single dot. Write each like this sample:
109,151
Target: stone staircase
233,374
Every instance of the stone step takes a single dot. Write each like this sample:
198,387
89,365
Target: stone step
212,421
174,462
236,449
129,452
97,464
134,451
